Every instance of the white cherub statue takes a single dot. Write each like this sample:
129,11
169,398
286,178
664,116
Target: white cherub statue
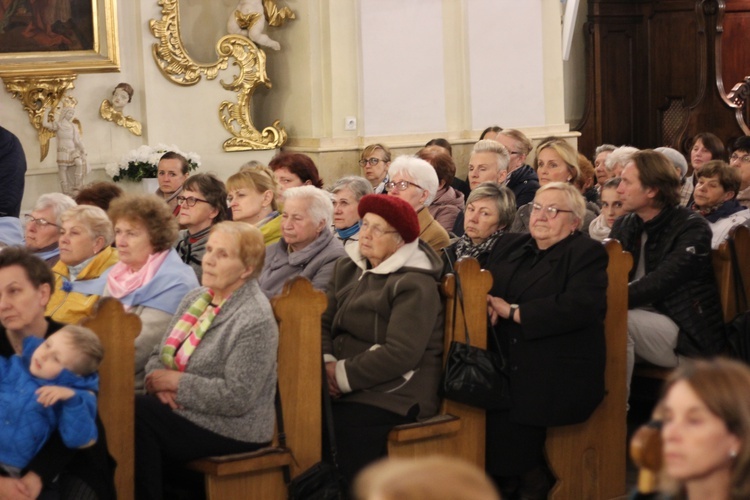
251,17
71,154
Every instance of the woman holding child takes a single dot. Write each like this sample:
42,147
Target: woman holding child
26,284
211,380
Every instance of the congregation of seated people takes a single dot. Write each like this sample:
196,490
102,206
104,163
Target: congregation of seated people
199,260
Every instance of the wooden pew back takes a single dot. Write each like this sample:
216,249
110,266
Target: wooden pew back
117,331
260,475
459,429
588,459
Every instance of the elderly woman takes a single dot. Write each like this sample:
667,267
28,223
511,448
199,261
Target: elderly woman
150,279
416,182
85,259
347,192
383,361
43,226
557,161
26,284
212,379
601,154
294,170
617,160
547,303
374,162
448,202
490,210
251,194
715,198
704,148
705,431
203,203
307,246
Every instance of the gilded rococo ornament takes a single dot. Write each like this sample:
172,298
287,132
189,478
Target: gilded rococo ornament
176,65
40,97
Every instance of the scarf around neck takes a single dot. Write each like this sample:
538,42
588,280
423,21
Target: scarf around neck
189,331
122,280
350,231
466,248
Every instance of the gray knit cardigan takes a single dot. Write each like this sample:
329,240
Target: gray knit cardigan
229,384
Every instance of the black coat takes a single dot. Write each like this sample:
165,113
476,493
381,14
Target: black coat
12,174
556,355
679,280
524,182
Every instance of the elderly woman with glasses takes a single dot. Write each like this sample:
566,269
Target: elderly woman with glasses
150,279
347,192
307,246
85,260
416,182
556,161
383,361
547,303
203,203
43,226
374,162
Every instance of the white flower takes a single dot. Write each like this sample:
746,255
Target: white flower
112,169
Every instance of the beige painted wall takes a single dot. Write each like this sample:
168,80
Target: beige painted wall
316,78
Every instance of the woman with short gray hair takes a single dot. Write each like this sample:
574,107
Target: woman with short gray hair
43,226
307,247
490,210
347,192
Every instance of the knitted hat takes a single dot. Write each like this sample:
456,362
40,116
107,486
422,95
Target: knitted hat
677,159
396,212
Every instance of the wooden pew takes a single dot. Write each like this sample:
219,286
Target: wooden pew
260,474
458,429
117,331
588,459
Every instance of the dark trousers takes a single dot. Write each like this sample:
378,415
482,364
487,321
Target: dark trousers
163,438
362,434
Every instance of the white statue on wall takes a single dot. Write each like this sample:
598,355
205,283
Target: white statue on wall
251,17
113,111
71,154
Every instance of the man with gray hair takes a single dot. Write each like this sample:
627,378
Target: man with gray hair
43,226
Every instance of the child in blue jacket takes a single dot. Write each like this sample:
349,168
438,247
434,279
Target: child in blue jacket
51,385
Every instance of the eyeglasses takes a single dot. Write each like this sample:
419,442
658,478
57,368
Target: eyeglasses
371,161
190,202
511,153
550,211
742,159
39,222
401,186
375,231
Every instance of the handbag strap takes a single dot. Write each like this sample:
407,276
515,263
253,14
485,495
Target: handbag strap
460,298
739,285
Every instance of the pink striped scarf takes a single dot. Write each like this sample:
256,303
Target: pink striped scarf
188,332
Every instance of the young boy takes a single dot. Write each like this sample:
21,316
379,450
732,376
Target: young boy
50,386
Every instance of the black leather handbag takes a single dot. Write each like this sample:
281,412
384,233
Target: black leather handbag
472,375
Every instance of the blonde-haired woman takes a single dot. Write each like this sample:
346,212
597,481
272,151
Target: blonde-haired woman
252,197
556,161
374,162
86,257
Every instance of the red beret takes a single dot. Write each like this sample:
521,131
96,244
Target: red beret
395,211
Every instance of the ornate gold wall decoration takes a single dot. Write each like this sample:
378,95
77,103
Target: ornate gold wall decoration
40,96
177,66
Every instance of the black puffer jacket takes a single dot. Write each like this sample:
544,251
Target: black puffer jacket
679,280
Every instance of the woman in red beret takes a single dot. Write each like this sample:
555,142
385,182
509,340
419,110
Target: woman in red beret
382,332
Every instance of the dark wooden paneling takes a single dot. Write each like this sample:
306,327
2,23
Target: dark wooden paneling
644,55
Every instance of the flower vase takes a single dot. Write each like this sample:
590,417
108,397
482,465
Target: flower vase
149,185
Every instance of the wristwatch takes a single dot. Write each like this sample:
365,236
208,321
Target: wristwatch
512,314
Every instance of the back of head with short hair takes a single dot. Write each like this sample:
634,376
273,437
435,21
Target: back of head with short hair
490,146
57,201
441,161
99,194
522,142
88,346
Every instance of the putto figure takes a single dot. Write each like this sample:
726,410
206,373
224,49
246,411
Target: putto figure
71,154
112,111
251,17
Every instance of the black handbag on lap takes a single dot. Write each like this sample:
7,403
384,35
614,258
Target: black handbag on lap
475,376
322,481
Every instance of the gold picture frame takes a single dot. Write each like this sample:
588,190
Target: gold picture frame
37,43
249,65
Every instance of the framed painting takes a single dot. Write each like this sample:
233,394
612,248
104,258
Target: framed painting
45,36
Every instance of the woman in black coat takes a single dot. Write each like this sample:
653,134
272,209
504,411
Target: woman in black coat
547,305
